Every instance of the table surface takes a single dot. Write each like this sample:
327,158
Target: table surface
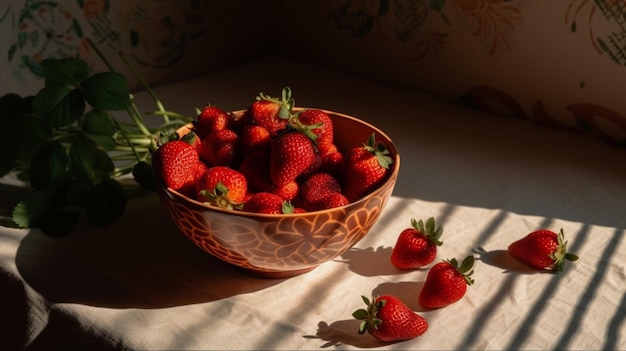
139,284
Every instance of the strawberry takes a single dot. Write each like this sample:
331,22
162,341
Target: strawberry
331,157
291,155
256,167
542,249
319,123
264,202
331,200
222,187
271,113
446,283
175,163
210,119
417,246
219,148
318,185
252,138
387,318
287,191
364,168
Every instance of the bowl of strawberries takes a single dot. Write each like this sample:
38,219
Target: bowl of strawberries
274,189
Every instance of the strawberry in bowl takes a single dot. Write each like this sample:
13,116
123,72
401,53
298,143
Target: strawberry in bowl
316,181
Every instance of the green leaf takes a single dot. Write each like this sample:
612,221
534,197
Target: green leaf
59,104
99,122
67,71
48,167
106,90
107,203
83,158
467,264
105,142
430,225
34,209
29,134
49,97
360,314
104,166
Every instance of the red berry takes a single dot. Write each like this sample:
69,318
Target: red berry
387,318
291,155
271,113
210,119
417,246
318,185
222,187
264,202
542,249
319,123
175,163
365,167
446,283
219,148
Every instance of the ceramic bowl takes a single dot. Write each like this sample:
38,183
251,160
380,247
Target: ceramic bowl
280,246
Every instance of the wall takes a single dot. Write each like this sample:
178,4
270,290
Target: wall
559,63
165,40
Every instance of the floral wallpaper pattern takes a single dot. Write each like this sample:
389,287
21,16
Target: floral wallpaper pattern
157,34
428,29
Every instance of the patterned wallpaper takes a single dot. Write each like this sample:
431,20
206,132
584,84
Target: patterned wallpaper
559,63
164,39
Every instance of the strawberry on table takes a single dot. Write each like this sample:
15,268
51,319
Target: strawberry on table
388,319
175,164
446,283
542,249
417,246
223,187
365,167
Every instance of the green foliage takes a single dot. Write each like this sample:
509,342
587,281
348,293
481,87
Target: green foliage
68,146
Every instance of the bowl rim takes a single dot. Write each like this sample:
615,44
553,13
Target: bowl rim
393,174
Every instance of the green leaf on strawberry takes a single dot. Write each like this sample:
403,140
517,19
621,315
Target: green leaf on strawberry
379,150
465,268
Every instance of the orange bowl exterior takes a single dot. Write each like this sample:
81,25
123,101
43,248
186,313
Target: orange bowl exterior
279,246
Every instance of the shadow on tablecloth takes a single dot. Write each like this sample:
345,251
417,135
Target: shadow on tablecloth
141,261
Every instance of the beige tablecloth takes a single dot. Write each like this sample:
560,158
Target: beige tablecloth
488,180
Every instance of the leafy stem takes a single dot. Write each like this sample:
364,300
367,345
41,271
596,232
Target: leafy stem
71,149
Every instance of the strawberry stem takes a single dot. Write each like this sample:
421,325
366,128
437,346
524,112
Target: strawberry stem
429,230
379,150
369,316
561,254
465,268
